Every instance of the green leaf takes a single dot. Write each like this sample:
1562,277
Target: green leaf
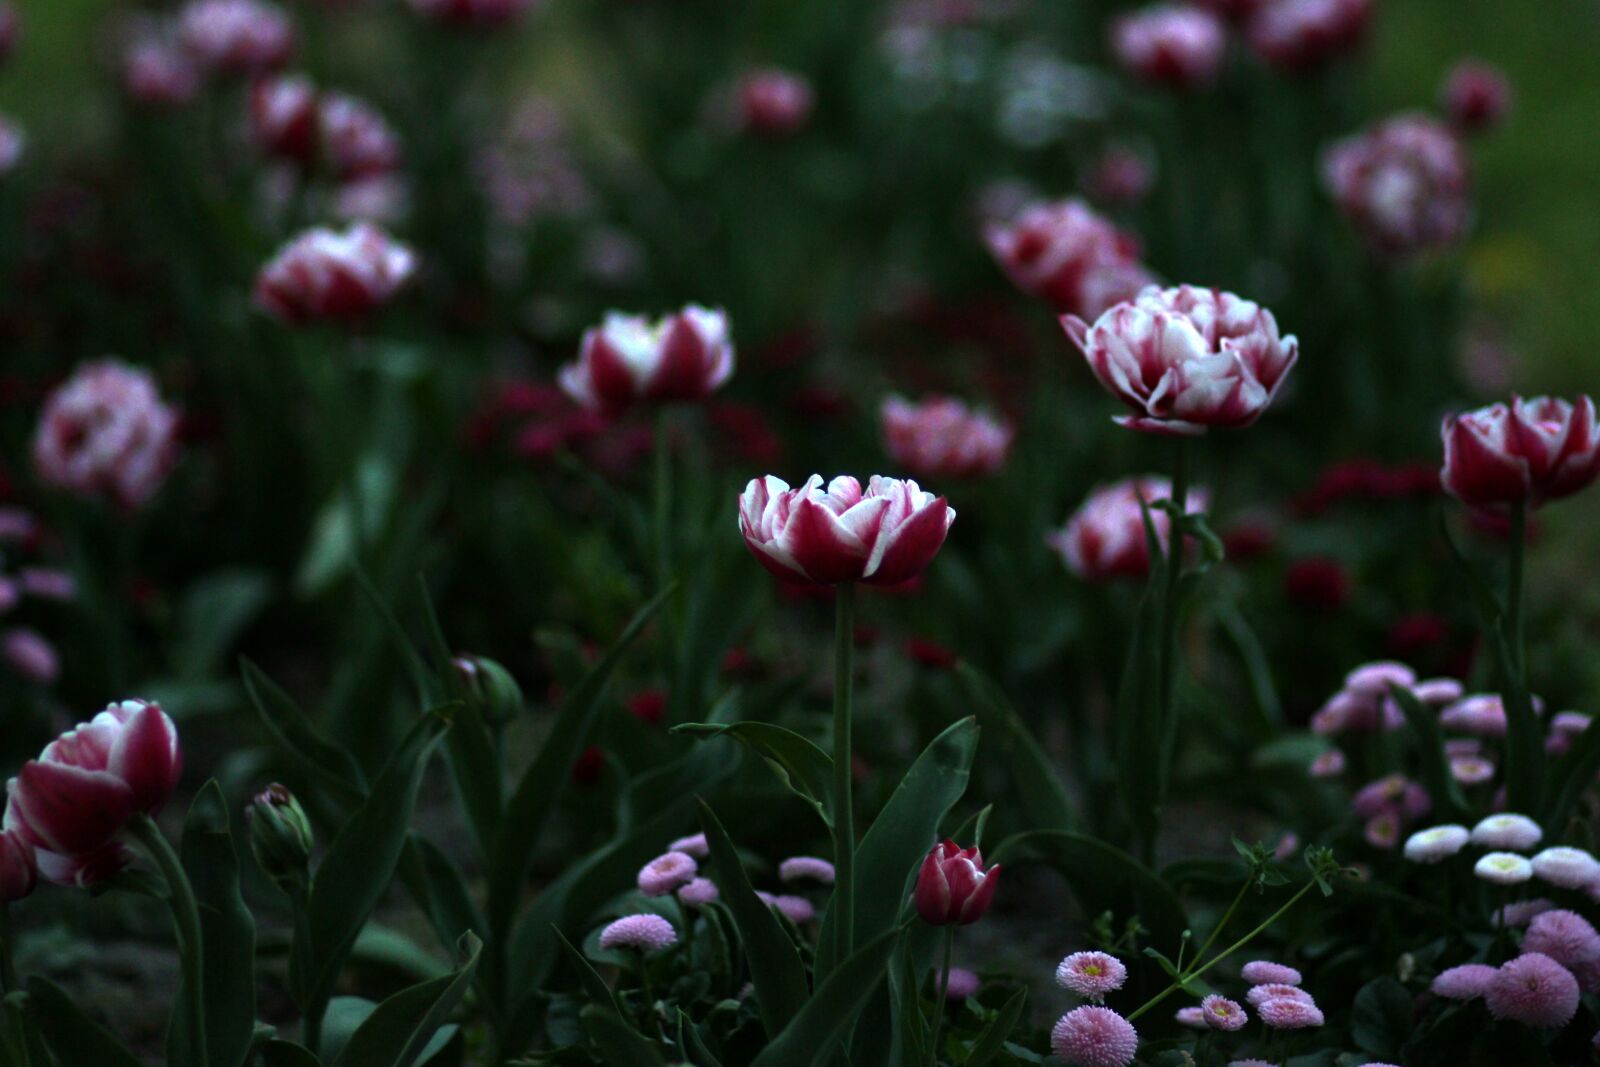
216,609
798,762
440,890
693,1044
361,862
1380,1021
1572,776
1263,693
285,1054
775,967
1442,785
1104,878
401,1027
536,793
620,1044
227,929
993,1038
1138,731
902,834
1044,797
331,545
593,985
430,689
810,1038
293,731
73,1037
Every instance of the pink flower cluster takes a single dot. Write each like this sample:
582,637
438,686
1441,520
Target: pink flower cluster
290,120
1066,254
1404,184
1276,995
1364,704
1388,805
1105,538
1533,989
330,275
943,438
106,433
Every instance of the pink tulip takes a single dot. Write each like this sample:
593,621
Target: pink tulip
1530,451
478,14
1119,176
952,886
684,356
774,102
19,872
324,274
1105,537
75,799
283,117
237,36
1065,253
356,139
29,653
1476,96
943,438
1298,35
1171,44
159,73
884,536
106,432
1404,184
1187,359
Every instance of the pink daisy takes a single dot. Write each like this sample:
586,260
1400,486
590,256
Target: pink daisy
1286,1013
1094,1037
1534,990
961,984
806,868
1091,974
666,873
1465,982
1223,1014
699,892
1265,972
693,845
645,932
1260,994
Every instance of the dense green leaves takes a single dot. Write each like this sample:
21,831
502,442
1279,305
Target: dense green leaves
73,1037
401,1027
292,729
810,1038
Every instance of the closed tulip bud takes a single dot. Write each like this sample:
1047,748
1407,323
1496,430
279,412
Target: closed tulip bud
1301,35
627,359
774,102
237,36
491,688
1070,256
324,274
884,536
1187,359
1404,184
1530,452
1171,44
106,433
281,837
952,887
1475,96
19,872
283,118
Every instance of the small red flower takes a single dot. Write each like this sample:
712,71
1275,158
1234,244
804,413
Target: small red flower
953,888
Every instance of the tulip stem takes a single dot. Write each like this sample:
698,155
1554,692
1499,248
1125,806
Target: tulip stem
186,921
844,830
942,991
663,499
1172,574
1513,627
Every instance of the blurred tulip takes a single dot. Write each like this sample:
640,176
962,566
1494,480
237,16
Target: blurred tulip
941,437
89,783
648,706
325,274
283,117
10,30
1531,451
1119,176
1066,254
237,36
158,73
930,653
952,887
1187,359
1171,44
106,432
1317,583
774,102
30,654
12,143
357,140
19,872
478,14
627,359
1298,35
1105,538
840,534
1475,96
1233,9
1404,184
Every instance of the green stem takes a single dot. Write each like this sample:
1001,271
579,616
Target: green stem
844,830
663,500
185,920
8,963
1222,924
943,992
1173,573
1514,636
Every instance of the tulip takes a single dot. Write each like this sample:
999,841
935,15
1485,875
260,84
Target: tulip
943,438
1404,184
91,782
627,359
884,536
356,139
281,838
159,73
952,886
237,36
774,102
1070,256
283,117
19,873
1105,538
1171,44
490,687
324,274
1476,96
1299,35
476,14
1187,359
1528,452
105,432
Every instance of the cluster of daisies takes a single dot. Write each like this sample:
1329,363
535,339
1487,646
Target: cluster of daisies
676,873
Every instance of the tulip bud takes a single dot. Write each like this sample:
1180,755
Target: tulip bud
281,837
952,887
489,686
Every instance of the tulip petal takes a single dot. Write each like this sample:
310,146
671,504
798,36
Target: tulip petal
904,551
148,758
68,809
820,544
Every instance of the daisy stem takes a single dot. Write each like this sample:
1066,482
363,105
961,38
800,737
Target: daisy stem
844,831
1223,922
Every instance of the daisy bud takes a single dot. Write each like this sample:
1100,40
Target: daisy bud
1091,975
1467,982
953,888
106,433
237,36
1105,538
1187,359
806,869
281,837
1069,256
884,536
1534,990
1436,843
685,356
774,102
941,437
1403,184
667,873
324,274
1170,44
1265,972
19,872
643,932
1528,452
1094,1037
1476,96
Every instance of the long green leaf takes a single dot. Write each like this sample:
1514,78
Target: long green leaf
1442,785
593,985
1044,797
286,1054
1573,775
1138,732
810,1038
397,1032
292,729
73,1037
620,1044
775,966
228,930
440,890
535,795
993,1038
804,768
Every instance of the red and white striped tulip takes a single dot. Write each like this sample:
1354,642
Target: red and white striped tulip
357,140
1529,451
1404,184
953,889
237,36
1171,44
627,359
1105,538
943,438
105,432
1299,35
1067,254
325,274
283,117
827,535
1187,359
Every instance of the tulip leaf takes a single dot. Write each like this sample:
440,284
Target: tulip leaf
73,1037
811,1036
1104,878
799,763
228,931
775,966
1435,765
1263,691
360,863
902,833
440,890
1572,776
541,783
620,1044
593,985
292,729
1044,797
399,1030
993,1038
285,1054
